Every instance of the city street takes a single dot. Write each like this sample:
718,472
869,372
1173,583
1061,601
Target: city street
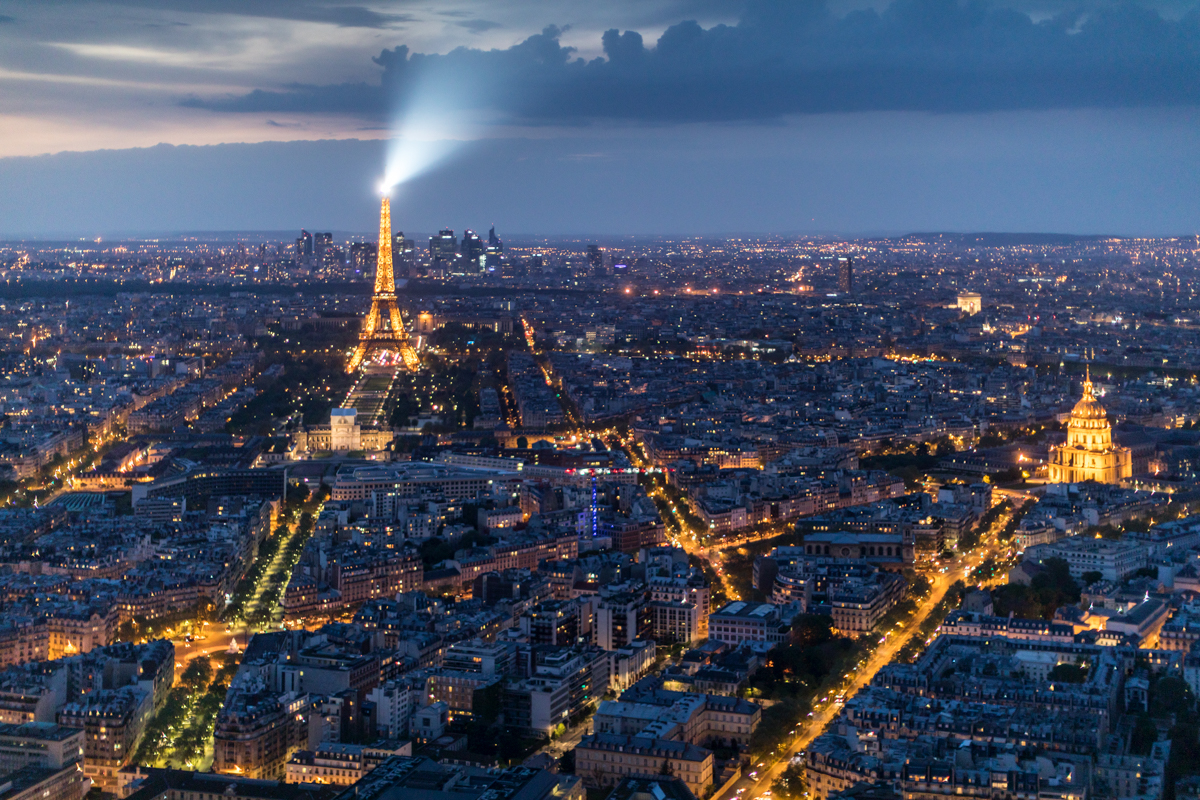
567,741
217,637
825,713
215,644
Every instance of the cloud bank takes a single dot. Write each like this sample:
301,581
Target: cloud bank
342,13
1123,171
795,57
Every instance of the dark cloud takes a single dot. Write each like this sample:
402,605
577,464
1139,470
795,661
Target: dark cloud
5,18
327,11
478,25
794,57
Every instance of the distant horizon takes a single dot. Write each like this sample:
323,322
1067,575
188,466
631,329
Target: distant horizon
863,175
285,235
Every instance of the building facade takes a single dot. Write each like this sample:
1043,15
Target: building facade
1089,453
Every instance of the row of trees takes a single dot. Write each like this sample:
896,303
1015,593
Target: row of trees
181,731
793,675
296,522
970,539
916,645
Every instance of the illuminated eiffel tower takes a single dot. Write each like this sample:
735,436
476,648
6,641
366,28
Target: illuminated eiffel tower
383,332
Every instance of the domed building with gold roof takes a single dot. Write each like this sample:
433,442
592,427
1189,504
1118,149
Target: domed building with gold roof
1089,453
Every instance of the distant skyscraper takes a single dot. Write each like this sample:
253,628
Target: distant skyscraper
323,251
399,243
362,259
304,245
493,255
595,256
444,246
472,249
845,275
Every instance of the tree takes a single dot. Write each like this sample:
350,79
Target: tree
791,785
1170,696
406,409
1050,589
198,673
918,585
1009,475
127,631
435,550
1145,734
1091,576
1069,673
809,630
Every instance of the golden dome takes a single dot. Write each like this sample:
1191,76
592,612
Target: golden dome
1088,407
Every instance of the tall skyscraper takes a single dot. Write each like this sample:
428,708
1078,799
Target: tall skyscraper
383,330
321,242
494,240
845,275
595,256
324,254
444,246
304,245
400,244
472,249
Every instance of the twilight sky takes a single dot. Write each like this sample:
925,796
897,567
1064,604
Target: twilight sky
626,116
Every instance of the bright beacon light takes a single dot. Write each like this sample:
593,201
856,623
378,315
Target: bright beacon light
426,131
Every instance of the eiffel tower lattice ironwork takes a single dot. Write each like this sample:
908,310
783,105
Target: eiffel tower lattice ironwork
383,330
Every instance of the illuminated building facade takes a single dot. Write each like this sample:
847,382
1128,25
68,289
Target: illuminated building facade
443,248
1089,453
383,332
970,303
845,275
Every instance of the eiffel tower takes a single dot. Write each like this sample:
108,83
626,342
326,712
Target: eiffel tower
383,331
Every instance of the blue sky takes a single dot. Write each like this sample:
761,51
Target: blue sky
556,116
